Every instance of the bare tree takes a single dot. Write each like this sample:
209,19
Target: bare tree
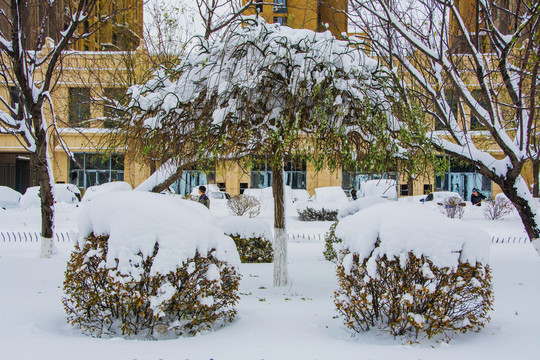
219,14
29,61
475,71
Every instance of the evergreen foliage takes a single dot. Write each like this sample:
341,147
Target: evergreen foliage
256,249
311,214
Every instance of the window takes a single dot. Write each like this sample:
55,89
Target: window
452,101
14,96
404,190
295,174
261,175
475,123
259,6
222,186
94,169
280,7
243,186
79,105
110,109
428,188
281,20
194,177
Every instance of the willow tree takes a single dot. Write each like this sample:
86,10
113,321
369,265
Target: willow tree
270,91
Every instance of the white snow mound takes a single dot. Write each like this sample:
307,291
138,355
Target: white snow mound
93,191
402,228
246,227
352,207
135,221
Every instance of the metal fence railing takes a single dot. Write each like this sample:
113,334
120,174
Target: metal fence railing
66,237
32,236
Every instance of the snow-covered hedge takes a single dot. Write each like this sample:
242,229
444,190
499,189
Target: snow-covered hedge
149,266
94,191
352,207
253,238
411,271
315,211
331,241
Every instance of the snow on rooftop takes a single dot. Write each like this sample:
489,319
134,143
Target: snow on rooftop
403,228
135,221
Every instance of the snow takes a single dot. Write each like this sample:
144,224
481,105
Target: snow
330,194
93,191
383,187
67,193
402,228
246,228
136,221
9,198
352,207
294,322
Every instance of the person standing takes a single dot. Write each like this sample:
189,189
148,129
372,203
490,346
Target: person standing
476,197
203,198
353,193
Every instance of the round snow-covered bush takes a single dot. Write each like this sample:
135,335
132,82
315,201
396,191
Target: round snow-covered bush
351,208
149,266
412,272
498,208
253,238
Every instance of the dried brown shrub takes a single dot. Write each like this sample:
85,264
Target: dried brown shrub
104,302
414,298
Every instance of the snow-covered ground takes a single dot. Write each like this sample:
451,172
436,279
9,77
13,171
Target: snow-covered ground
293,322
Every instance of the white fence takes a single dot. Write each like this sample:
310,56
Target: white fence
66,237
31,236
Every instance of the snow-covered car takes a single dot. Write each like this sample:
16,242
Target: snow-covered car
9,198
66,193
439,197
386,188
94,191
330,194
219,195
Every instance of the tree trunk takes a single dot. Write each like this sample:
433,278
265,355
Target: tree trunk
280,231
44,173
536,169
169,181
524,207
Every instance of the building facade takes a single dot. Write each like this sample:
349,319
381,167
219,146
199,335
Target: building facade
88,74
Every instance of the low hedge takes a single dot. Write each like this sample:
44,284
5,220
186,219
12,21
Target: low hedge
256,249
199,295
311,214
410,296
